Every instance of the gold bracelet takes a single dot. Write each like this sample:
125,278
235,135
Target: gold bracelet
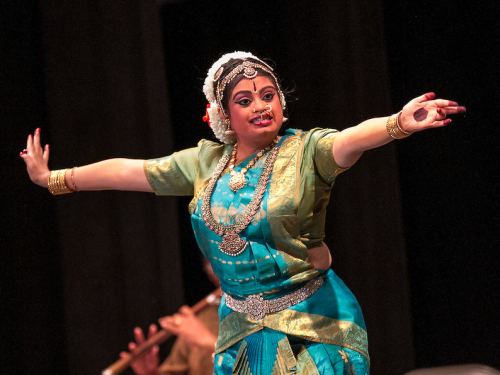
399,125
73,179
57,182
394,129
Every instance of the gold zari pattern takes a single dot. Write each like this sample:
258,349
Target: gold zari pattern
317,328
294,360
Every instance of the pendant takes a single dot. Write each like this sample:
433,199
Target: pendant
237,181
232,244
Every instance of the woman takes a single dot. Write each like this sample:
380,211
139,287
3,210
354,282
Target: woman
258,214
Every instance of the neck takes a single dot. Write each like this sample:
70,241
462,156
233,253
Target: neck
245,149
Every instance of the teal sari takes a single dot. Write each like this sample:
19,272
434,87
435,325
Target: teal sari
326,333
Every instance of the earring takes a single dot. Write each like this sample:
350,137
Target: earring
285,119
228,131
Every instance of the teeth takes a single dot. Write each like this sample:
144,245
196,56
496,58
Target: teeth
259,120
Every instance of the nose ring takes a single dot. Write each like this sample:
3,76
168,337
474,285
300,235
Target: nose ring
270,108
254,110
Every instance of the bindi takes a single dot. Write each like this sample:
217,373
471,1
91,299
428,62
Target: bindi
254,87
420,114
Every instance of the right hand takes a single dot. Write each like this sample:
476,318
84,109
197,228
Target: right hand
36,159
147,363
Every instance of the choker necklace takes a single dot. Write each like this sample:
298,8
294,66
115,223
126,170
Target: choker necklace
238,180
232,244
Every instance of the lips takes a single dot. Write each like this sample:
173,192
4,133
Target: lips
266,119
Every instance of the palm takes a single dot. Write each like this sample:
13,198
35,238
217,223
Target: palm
425,112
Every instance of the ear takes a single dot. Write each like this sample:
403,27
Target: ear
220,114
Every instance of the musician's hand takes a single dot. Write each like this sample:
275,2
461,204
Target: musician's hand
189,328
146,364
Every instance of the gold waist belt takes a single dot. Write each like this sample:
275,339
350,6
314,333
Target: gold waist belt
257,307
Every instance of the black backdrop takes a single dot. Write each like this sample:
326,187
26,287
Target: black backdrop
79,271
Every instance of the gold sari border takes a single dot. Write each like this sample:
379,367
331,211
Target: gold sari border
312,327
233,328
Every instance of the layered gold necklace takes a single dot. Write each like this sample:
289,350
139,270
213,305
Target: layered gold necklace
238,180
232,244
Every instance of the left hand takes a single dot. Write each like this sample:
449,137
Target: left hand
148,362
189,328
425,112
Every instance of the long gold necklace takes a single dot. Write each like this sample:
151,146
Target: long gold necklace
238,180
232,244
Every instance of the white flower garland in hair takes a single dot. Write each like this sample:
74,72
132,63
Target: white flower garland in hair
208,87
217,123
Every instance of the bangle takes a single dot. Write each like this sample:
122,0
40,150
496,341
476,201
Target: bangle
73,179
394,129
57,182
399,125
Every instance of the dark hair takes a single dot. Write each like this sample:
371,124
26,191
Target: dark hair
228,68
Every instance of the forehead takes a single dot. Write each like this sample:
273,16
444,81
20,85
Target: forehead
247,84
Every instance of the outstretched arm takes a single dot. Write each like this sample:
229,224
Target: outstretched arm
112,174
421,113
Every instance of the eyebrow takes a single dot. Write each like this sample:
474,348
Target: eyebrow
249,92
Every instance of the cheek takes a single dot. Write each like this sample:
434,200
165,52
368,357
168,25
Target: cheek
278,111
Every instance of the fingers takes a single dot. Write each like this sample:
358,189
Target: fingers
441,103
152,330
46,153
453,110
33,144
445,103
171,323
139,335
29,144
186,310
425,97
36,139
131,346
439,124
124,354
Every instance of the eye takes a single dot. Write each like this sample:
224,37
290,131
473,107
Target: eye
244,102
268,96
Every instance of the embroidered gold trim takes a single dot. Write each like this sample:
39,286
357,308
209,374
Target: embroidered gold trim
285,359
317,328
305,363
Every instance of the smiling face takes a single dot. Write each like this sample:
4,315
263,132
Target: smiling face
250,94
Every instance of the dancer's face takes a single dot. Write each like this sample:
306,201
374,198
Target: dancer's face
247,100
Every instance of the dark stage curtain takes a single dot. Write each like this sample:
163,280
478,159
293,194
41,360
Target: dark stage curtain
85,269
106,98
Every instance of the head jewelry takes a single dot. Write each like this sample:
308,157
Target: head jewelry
215,97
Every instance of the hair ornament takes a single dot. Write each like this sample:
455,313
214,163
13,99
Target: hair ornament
206,118
249,71
218,74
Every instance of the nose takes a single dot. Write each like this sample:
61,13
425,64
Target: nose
260,105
